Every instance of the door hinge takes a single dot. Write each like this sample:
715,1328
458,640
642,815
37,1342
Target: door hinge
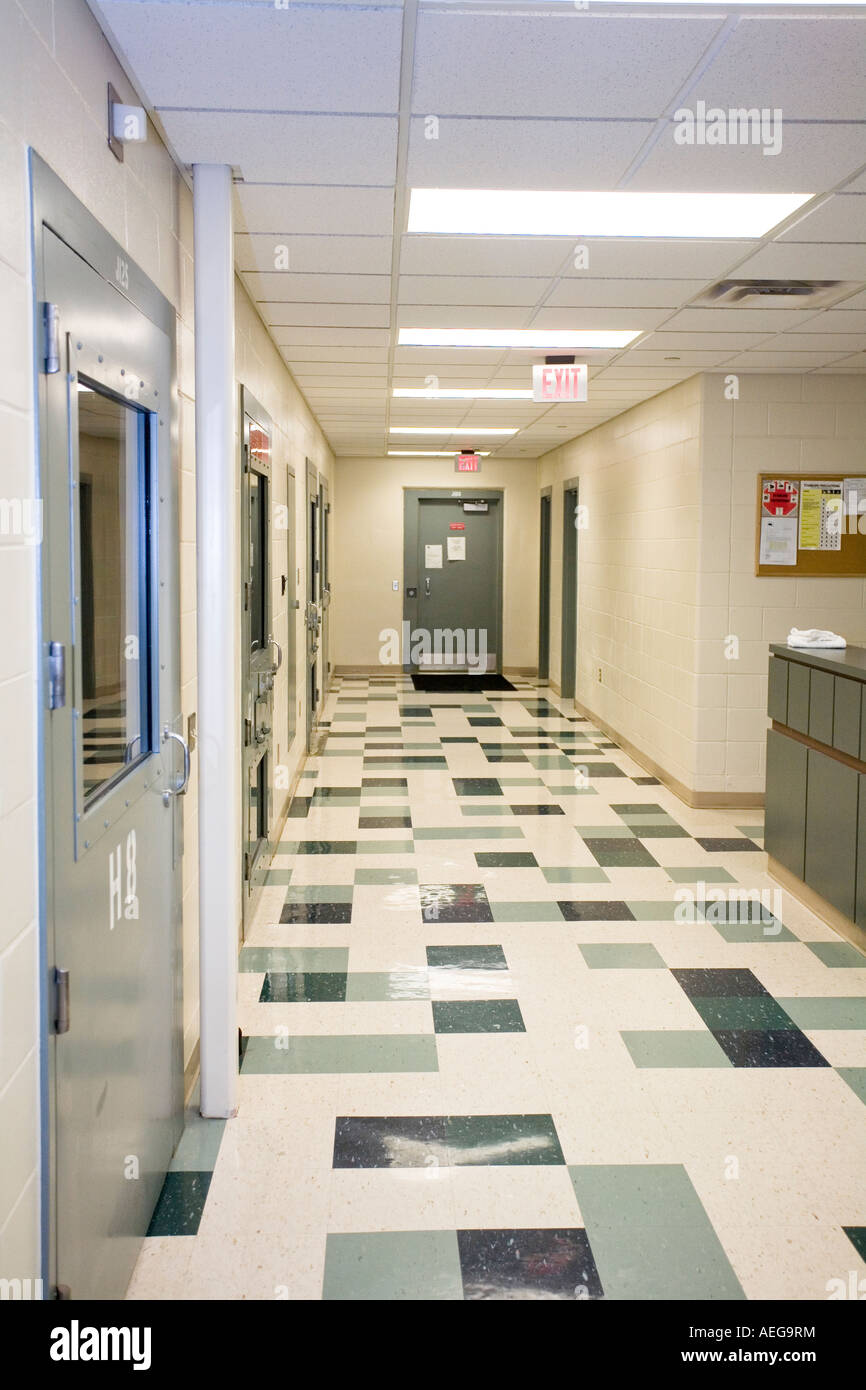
246,867
51,322
61,1000
56,675
246,598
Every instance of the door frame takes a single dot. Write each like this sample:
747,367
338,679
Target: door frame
250,409
312,608
55,207
325,582
568,644
545,518
412,499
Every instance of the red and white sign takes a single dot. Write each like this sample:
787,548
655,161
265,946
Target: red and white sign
457,526
467,463
563,383
779,497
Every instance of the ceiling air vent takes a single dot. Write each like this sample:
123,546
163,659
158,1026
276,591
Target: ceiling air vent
776,294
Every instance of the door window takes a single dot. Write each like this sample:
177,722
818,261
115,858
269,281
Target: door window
113,550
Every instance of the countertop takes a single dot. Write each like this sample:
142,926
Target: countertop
843,661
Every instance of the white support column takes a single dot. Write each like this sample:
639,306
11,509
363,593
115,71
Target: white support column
218,569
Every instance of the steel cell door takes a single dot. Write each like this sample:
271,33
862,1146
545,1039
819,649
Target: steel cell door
115,759
261,653
458,569
313,613
325,584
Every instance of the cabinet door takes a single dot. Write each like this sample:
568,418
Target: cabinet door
777,690
860,889
798,696
785,810
831,830
821,707
846,716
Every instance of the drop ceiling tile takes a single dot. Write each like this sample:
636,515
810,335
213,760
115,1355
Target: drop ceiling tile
283,286
462,290
302,208
271,148
811,159
857,363
601,318
298,336
840,344
811,66
576,291
704,342
358,373
489,255
277,315
667,259
536,153
652,357
783,260
317,255
359,357
840,218
736,320
462,316
570,63
791,361
841,320
273,58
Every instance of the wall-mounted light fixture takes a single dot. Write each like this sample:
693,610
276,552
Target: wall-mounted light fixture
127,125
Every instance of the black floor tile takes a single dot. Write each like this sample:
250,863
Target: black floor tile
528,1264
646,781
719,983
727,846
466,958
477,1016
327,847
180,1205
477,786
482,722
784,1047
505,859
384,782
303,987
586,910
624,853
404,1141
547,810
476,1141
454,902
313,913
300,807
383,823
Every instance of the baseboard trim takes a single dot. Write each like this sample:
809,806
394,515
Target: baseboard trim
699,801
377,670
829,914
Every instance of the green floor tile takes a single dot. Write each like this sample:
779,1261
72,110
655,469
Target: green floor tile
664,911
385,876
604,832
377,985
755,932
639,956
304,987
857,1237
199,1145
445,958
838,955
386,846
674,1047
393,1266
520,781
319,893
505,859
469,832
181,1203
819,1013
626,854
503,1141
525,912
855,1077
697,874
401,1052
545,761
499,810
650,1234
576,875
757,1011
258,959
477,1016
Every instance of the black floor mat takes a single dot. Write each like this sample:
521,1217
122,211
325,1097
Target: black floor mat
457,683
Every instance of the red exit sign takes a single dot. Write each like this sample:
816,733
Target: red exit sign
467,463
559,383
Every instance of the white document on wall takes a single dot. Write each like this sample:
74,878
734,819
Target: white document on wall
854,495
821,515
432,557
456,547
778,540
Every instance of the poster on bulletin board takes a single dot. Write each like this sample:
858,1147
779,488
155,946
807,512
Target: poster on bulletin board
811,525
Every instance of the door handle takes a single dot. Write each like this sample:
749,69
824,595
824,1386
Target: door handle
272,642
180,789
427,587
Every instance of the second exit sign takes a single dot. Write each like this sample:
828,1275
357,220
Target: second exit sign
467,463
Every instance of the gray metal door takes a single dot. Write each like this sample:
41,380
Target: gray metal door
260,652
568,631
115,759
544,587
324,584
313,612
292,604
458,568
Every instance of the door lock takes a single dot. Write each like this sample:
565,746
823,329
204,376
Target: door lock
427,587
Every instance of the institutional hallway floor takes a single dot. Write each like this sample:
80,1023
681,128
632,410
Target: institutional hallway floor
499,1042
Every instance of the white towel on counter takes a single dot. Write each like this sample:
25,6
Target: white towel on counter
814,637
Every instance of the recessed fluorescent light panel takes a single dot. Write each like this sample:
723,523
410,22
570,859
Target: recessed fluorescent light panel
528,338
432,453
504,212
445,429
460,393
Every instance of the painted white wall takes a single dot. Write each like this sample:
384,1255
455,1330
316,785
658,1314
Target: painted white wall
368,550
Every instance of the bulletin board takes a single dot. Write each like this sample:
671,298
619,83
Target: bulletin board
810,524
